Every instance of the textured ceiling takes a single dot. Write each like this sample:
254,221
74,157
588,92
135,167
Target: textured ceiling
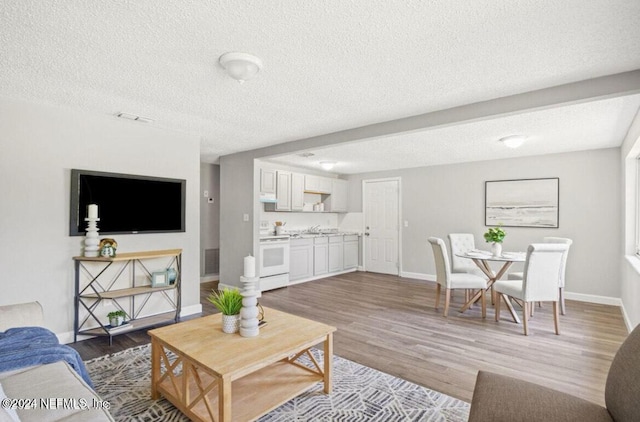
600,124
328,65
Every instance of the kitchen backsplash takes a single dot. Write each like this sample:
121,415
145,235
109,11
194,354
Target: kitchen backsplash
302,221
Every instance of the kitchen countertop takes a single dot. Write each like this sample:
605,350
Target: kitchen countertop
328,234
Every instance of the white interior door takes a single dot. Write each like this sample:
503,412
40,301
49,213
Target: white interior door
381,217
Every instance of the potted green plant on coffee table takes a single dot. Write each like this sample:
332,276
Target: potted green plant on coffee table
229,302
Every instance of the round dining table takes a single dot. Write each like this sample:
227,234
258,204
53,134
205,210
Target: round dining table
482,259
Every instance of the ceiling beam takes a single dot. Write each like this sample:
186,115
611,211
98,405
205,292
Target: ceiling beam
621,84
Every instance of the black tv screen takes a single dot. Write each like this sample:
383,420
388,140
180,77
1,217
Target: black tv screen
127,203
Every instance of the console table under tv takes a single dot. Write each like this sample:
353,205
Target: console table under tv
98,279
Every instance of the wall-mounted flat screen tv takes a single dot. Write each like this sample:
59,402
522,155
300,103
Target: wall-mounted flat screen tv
127,203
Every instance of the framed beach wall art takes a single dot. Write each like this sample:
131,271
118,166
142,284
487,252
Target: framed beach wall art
522,203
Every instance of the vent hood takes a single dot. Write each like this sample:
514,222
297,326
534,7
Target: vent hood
268,198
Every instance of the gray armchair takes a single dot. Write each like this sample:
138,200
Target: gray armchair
498,398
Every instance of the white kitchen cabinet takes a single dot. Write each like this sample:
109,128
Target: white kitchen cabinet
326,185
337,201
283,190
335,254
320,255
301,259
317,184
297,191
267,181
351,252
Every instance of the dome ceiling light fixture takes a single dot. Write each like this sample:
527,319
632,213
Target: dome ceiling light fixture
327,165
240,66
513,141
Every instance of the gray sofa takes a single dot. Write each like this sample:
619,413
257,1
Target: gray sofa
56,385
498,398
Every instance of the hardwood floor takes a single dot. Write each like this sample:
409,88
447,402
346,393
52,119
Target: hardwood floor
389,323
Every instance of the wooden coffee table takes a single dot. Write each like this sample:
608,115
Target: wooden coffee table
226,377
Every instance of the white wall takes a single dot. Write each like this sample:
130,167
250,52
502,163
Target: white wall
39,146
443,199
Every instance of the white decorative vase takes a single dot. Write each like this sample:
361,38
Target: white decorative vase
496,249
230,323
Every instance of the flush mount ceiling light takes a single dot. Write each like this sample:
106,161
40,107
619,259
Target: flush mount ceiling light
240,66
513,141
327,165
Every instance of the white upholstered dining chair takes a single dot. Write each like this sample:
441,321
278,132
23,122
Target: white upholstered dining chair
542,272
445,278
550,239
462,243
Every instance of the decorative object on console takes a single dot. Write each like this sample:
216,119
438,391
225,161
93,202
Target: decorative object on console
91,238
229,302
249,312
108,248
172,274
159,278
116,318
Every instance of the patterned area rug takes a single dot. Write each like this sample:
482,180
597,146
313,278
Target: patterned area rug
359,393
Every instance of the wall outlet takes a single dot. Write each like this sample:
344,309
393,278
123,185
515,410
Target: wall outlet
206,194
245,217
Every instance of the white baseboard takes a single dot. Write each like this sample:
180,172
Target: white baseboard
418,276
227,286
66,338
209,278
626,319
190,310
603,300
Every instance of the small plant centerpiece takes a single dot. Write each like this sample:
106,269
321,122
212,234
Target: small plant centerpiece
116,318
495,236
229,302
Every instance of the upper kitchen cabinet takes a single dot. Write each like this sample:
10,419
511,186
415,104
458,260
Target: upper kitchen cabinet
337,201
317,184
283,192
267,181
297,192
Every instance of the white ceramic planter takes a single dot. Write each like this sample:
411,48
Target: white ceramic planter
230,323
116,321
496,249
